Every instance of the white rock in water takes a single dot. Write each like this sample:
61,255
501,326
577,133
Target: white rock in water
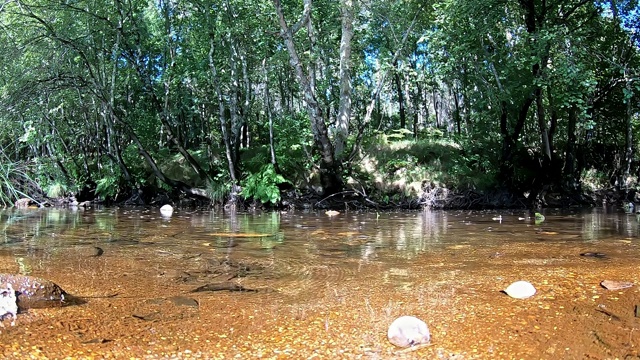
520,290
408,331
166,210
8,303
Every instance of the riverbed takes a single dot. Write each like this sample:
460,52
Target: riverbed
305,285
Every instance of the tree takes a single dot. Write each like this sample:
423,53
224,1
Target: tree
329,169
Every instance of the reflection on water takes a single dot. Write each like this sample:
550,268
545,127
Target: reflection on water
297,235
294,245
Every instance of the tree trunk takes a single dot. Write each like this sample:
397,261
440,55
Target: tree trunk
329,172
223,119
435,107
456,113
510,138
542,125
417,109
398,81
628,153
267,105
344,110
569,173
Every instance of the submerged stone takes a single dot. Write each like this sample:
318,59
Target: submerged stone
615,285
8,303
33,292
166,210
520,290
408,331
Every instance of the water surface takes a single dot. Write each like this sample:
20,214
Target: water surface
304,285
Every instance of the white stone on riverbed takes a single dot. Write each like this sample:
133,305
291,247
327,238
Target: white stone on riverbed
520,290
408,331
8,303
166,210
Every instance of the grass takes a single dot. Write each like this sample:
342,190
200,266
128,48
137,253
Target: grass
14,177
394,165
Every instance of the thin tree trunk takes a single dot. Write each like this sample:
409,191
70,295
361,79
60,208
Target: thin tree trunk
267,105
381,81
628,154
398,82
344,110
435,107
329,175
457,115
222,117
542,125
570,179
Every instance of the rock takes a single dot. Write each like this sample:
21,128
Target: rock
183,301
8,303
408,331
225,286
89,251
22,203
32,292
97,251
520,290
615,285
166,210
594,254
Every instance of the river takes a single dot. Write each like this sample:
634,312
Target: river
302,285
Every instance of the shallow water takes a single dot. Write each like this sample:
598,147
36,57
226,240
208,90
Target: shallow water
306,285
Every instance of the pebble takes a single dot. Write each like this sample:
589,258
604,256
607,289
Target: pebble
520,290
166,210
408,331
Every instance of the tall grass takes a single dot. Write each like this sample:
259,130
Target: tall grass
14,178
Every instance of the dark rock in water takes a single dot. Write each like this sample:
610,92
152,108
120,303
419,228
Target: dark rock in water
594,254
153,316
183,301
33,292
97,251
222,287
97,341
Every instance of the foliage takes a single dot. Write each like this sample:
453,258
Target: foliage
263,186
121,94
219,190
14,180
107,187
56,190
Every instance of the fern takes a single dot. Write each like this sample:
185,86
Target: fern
263,186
